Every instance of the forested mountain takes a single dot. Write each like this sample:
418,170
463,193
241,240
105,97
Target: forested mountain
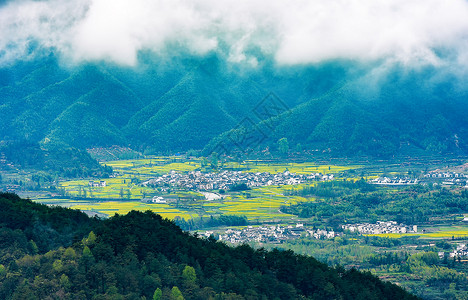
353,120
61,253
337,108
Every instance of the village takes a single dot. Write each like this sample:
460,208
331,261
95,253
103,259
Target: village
225,180
380,227
460,251
447,178
443,178
275,234
394,181
445,175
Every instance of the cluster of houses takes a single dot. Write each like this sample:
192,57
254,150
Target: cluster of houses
380,227
461,251
448,178
445,178
272,234
394,181
101,183
445,175
197,180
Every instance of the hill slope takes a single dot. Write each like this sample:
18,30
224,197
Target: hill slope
351,120
52,252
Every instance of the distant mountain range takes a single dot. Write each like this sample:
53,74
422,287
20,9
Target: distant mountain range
338,108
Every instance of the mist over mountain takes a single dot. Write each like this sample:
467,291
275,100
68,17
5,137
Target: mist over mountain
336,107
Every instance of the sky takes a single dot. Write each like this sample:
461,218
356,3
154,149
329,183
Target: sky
300,32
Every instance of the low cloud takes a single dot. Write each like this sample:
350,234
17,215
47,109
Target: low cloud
409,32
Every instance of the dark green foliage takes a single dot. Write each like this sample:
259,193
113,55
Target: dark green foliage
239,187
382,241
61,159
222,220
47,227
335,188
141,254
362,202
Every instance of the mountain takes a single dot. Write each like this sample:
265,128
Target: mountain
357,118
350,121
203,104
339,108
55,252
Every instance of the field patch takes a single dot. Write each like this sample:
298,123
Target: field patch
442,233
124,192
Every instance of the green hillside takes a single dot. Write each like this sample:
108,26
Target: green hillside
161,108
351,120
61,253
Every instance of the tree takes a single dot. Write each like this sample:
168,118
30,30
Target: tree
65,281
299,147
214,160
189,274
90,240
69,254
2,271
204,162
176,294
157,294
33,247
87,258
283,146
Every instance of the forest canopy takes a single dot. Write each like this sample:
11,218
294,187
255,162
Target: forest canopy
61,253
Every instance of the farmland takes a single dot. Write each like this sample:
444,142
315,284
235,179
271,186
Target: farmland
124,192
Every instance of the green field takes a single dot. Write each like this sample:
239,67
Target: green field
261,204
124,193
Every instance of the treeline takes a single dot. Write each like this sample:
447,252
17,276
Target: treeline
439,277
409,205
332,189
64,161
211,221
142,256
423,273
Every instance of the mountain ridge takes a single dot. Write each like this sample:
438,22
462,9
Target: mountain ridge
331,109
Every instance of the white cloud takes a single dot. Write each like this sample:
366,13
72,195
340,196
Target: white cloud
298,32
